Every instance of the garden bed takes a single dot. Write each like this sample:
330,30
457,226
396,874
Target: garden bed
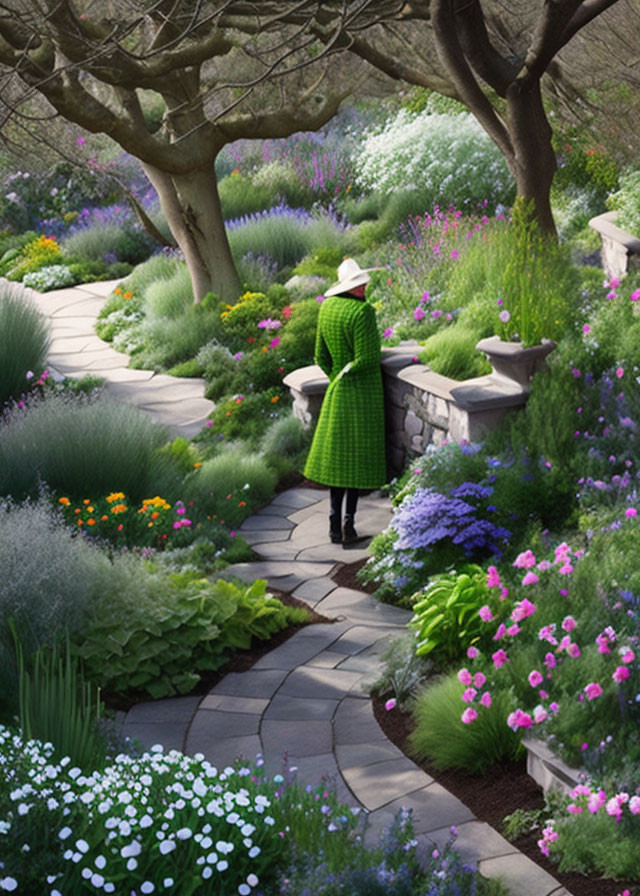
494,795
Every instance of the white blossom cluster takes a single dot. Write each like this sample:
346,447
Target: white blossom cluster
448,154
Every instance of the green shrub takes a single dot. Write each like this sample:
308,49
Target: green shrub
46,591
452,352
219,368
157,632
54,276
246,416
242,195
286,438
159,267
169,297
162,342
441,737
626,201
128,244
321,263
94,271
284,183
40,252
232,485
79,446
24,342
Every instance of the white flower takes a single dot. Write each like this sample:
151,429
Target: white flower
82,846
147,887
184,833
64,833
8,884
167,846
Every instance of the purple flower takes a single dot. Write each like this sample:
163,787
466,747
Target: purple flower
269,324
418,313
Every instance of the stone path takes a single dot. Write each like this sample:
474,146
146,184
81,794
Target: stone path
76,350
306,697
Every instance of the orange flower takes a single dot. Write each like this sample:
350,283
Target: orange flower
104,517
149,525
117,291
86,501
79,522
115,496
242,504
155,515
119,508
197,465
91,521
89,509
275,398
77,510
128,295
64,501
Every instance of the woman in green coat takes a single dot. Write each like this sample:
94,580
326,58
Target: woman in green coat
348,448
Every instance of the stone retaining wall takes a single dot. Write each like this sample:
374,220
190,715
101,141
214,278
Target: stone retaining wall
620,250
423,407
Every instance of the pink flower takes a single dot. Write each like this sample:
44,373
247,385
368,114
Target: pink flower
544,565
566,569
525,560
504,316
479,679
561,552
524,608
619,372
469,695
472,652
603,643
465,677
550,661
593,690
535,678
569,623
469,715
513,630
275,342
500,632
493,578
504,594
613,808
627,655
634,805
554,707
321,298
630,512
519,719
530,578
81,141
454,254
573,650
391,704
238,357
499,658
269,324
485,613
485,699
586,329
596,801
425,296
388,333
540,715
635,295
572,809
546,633
620,674
418,313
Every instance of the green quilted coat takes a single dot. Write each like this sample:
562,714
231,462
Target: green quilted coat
348,444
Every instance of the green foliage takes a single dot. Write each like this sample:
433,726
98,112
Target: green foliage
284,183
160,631
158,267
45,591
39,253
446,620
247,416
57,706
169,297
239,322
441,738
190,368
128,244
241,195
79,446
232,485
24,342
95,271
287,438
55,276
403,670
593,844
321,263
162,342
452,352
626,201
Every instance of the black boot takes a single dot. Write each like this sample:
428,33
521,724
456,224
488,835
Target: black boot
349,534
335,531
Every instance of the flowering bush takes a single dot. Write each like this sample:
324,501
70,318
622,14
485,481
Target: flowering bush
53,276
626,201
449,154
40,252
431,531
164,822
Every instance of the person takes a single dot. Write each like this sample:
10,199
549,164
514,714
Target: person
348,448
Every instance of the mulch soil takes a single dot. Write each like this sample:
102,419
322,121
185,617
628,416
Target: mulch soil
492,796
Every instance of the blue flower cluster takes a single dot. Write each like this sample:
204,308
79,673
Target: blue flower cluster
427,517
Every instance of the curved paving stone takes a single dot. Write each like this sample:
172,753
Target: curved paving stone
76,350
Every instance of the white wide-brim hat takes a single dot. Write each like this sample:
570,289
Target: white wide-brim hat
350,275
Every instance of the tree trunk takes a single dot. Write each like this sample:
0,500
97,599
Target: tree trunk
192,208
534,162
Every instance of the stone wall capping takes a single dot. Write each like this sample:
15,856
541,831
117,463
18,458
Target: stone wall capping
620,249
488,392
398,356
422,377
605,225
311,380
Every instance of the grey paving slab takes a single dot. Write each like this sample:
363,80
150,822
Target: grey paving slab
355,723
318,683
315,590
282,551
296,498
326,660
257,537
297,709
310,512
293,653
359,638
266,523
128,375
521,875
173,709
224,703
384,782
328,551
89,307
368,664
353,755
253,684
216,725
476,841
310,739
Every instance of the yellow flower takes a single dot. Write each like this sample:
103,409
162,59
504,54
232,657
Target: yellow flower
197,465
115,496
119,508
90,509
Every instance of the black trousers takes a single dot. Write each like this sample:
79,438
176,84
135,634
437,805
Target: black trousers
337,495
